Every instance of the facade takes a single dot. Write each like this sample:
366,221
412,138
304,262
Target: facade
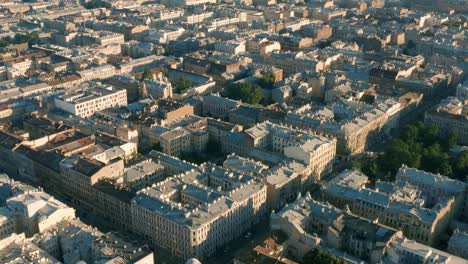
431,185
457,244
99,72
195,213
217,106
402,207
403,250
311,224
364,126
317,152
88,102
450,116
78,175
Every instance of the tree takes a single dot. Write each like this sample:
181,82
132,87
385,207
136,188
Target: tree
246,92
460,166
316,256
451,140
397,153
420,146
181,84
213,147
97,4
435,160
31,38
157,147
267,81
410,133
147,75
6,41
411,44
430,135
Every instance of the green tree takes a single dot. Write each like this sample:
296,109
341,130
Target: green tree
97,4
460,166
317,256
397,153
435,160
246,92
430,135
157,147
213,147
181,84
267,81
31,38
147,75
451,140
410,133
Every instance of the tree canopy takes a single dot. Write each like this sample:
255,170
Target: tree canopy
250,93
316,256
31,38
419,146
147,75
182,83
97,4
267,81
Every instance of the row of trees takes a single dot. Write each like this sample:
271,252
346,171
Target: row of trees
181,84
31,38
419,146
251,92
97,4
316,256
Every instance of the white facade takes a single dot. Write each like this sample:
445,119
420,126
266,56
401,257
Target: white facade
86,103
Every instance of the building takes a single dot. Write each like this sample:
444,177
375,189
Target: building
457,244
195,213
432,186
35,211
405,251
233,47
317,152
402,206
73,241
86,103
362,126
311,224
17,249
160,88
98,72
217,106
450,116
78,175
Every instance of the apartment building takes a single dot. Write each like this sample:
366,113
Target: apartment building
184,135
317,152
432,186
363,125
311,224
402,206
457,243
197,212
86,103
217,106
78,175
284,180
17,246
233,47
73,241
97,73
406,251
450,116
